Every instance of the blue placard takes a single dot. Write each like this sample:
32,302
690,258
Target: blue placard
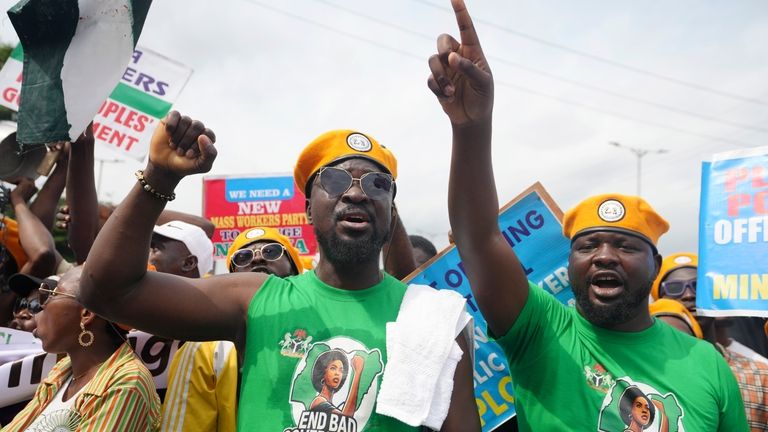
733,235
259,189
533,230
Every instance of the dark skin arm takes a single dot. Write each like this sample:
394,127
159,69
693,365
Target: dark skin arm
463,415
398,252
34,237
81,196
47,200
462,81
115,282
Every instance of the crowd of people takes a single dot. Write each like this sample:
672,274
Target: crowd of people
283,343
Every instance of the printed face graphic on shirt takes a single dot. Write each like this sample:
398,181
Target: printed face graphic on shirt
334,386
638,407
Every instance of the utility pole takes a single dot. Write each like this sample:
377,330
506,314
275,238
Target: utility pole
639,153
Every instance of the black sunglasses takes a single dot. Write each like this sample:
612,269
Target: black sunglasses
33,306
676,288
336,181
270,252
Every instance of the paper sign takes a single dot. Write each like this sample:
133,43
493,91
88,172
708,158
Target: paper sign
126,120
733,235
236,203
531,224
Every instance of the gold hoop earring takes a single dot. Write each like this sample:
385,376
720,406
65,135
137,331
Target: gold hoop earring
85,334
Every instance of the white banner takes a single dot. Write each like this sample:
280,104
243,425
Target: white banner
20,377
16,344
149,86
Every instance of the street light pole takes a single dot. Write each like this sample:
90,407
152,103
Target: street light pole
640,153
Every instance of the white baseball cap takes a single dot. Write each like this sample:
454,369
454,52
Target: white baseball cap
194,239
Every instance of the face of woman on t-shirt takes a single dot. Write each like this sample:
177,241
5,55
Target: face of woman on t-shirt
334,374
641,413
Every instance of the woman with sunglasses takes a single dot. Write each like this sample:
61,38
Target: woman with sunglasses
100,384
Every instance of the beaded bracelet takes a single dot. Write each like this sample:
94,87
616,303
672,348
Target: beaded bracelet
146,186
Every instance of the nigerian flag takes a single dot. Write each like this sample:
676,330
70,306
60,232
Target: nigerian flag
75,52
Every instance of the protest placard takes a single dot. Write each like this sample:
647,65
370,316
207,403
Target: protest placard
532,225
236,203
733,235
126,120
76,52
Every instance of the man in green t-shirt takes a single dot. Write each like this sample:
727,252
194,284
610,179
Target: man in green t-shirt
314,345
604,365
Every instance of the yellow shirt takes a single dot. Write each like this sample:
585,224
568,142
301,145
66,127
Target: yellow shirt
202,388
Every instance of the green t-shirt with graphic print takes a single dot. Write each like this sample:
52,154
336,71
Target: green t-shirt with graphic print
571,375
305,340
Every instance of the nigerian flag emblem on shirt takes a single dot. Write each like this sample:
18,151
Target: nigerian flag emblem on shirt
75,52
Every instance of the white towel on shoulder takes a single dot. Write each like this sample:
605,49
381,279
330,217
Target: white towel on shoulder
422,355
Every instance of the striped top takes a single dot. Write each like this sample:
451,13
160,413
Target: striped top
202,388
120,397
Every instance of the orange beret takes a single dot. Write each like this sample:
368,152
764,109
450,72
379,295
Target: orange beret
338,145
615,212
252,235
9,238
669,307
673,262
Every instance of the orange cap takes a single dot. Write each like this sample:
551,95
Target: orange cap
252,235
617,212
673,262
674,308
338,145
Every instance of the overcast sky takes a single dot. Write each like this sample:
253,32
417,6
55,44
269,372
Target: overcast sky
570,77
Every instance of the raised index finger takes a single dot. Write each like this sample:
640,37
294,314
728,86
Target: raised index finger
466,28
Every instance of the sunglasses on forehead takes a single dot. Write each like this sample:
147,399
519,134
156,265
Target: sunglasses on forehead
270,252
676,288
336,181
47,294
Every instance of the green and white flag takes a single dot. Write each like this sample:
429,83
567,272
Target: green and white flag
74,53
125,121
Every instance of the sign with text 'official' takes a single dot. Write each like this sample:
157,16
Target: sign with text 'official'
733,235
236,203
531,224
126,120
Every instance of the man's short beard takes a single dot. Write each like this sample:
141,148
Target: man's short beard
349,253
615,314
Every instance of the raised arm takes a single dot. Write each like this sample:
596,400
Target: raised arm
115,282
47,200
462,81
34,237
82,202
